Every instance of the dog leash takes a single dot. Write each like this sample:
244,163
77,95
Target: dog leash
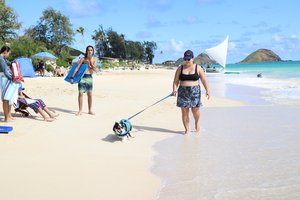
150,106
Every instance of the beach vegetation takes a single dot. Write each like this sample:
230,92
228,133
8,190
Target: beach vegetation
134,50
150,47
110,43
64,58
9,24
108,64
101,41
25,47
54,30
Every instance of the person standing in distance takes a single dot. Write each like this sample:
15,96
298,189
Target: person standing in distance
186,86
85,85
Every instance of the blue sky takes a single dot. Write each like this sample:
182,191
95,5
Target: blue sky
177,25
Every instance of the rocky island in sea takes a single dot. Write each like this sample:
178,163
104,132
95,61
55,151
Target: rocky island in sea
262,55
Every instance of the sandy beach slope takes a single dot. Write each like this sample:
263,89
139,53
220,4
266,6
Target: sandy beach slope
79,157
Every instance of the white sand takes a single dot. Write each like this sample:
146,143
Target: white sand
79,157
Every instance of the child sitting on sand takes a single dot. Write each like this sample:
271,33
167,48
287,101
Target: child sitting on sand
37,105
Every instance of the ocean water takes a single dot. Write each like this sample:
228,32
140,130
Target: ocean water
288,69
279,84
248,153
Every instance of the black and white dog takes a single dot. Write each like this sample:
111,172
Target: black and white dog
122,128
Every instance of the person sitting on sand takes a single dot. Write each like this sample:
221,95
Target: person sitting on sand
37,105
57,71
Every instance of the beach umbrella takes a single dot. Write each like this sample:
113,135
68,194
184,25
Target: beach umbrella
44,56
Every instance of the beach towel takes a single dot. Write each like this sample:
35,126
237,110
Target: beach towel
9,89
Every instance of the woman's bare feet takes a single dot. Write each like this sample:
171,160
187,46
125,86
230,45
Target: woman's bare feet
49,119
91,113
197,127
78,113
54,115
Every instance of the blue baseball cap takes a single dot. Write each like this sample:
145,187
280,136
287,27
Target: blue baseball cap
188,54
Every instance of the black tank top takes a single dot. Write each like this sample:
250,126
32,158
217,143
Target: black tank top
189,77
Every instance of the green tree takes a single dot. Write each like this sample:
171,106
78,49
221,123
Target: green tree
101,41
64,57
150,47
117,44
54,29
109,43
25,47
8,22
134,50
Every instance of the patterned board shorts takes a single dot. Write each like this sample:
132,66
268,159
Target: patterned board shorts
189,96
86,84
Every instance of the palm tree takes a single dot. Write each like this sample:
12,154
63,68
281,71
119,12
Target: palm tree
80,30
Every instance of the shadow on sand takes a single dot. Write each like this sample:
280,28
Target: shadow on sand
155,129
111,138
62,110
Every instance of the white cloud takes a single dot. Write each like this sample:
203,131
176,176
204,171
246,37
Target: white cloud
83,8
169,50
277,38
154,23
190,20
232,46
294,36
177,45
157,5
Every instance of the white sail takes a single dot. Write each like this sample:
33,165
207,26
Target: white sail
219,52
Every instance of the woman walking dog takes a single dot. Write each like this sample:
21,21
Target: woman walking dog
186,87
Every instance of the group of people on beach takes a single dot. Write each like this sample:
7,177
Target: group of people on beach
186,87
12,90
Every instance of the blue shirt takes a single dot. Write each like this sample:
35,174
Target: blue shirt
4,67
